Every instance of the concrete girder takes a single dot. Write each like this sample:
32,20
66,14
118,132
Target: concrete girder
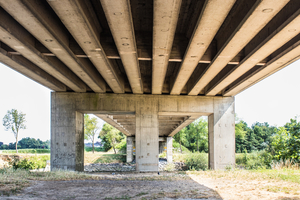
118,14
76,15
282,60
30,70
274,41
165,16
211,18
15,36
36,18
109,119
260,14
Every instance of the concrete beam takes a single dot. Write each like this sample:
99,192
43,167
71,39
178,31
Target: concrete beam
118,15
36,17
260,14
15,36
210,20
288,30
30,70
76,15
109,119
285,58
165,17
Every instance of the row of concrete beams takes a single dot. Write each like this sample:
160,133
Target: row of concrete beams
278,38
182,120
165,17
36,18
211,18
78,18
15,36
32,71
110,120
260,14
282,60
118,15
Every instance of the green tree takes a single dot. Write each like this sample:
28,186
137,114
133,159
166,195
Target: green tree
111,135
180,137
198,133
90,129
14,121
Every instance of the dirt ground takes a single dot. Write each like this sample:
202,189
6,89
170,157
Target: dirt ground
164,186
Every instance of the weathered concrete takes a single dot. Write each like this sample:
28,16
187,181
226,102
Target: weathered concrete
67,125
129,150
221,134
169,149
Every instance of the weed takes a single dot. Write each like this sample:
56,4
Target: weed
141,194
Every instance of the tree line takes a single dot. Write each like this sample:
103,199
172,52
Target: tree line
27,143
280,142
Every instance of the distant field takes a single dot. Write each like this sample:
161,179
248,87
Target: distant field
27,151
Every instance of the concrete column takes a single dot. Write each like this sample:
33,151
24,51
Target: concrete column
221,128
129,152
169,149
146,137
67,134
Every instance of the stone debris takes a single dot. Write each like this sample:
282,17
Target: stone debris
127,167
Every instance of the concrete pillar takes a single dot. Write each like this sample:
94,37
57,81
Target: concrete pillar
221,128
146,138
169,149
67,135
129,152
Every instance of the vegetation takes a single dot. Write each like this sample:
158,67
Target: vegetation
33,162
90,129
28,143
194,137
34,151
14,121
112,138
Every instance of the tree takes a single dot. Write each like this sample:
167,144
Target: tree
199,131
90,128
180,137
14,121
111,135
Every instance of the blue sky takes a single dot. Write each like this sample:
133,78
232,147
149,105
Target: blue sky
274,100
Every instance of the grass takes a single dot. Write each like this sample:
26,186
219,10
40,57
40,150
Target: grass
25,151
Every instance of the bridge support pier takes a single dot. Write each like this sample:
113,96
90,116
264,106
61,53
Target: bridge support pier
129,149
67,121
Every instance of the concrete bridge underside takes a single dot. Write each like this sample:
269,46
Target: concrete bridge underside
147,67
67,148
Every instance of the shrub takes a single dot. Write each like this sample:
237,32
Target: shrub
254,160
196,161
176,148
33,162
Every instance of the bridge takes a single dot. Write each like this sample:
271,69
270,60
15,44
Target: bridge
149,68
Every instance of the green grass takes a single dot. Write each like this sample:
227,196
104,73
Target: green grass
27,151
111,158
289,175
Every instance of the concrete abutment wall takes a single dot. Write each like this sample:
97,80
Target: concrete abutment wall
67,136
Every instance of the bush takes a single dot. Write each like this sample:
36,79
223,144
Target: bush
176,148
97,149
196,161
33,162
254,160
28,151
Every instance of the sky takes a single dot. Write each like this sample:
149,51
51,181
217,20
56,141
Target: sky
274,100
